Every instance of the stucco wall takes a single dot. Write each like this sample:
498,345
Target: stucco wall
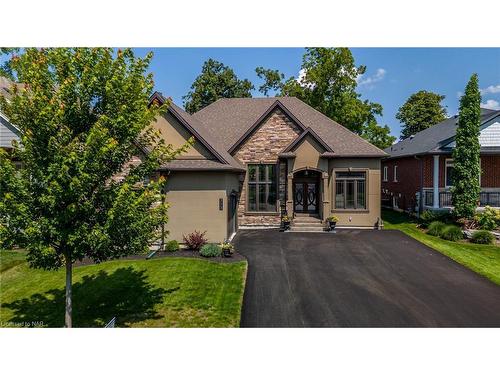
358,218
193,199
174,133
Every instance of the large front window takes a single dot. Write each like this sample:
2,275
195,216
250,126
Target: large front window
262,187
350,190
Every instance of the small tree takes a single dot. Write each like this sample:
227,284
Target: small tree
422,110
83,115
466,172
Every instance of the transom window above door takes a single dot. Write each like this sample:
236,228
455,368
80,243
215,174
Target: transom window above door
262,188
350,190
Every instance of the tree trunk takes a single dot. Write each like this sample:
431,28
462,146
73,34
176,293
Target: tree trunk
69,270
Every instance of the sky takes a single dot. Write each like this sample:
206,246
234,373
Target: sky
392,74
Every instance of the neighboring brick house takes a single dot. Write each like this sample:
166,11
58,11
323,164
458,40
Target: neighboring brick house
255,158
417,175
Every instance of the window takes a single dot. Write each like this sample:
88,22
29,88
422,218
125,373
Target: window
395,173
350,190
386,169
448,172
262,186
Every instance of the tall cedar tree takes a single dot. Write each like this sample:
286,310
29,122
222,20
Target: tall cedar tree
328,83
467,170
215,81
422,110
83,114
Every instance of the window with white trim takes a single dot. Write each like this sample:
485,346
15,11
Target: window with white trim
395,173
448,172
386,170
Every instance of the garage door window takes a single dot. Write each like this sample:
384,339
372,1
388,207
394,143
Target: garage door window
262,187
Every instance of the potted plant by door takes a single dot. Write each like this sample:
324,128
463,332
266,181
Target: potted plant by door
332,222
285,220
227,249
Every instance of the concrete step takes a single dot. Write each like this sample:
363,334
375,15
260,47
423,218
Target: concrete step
306,220
307,224
306,229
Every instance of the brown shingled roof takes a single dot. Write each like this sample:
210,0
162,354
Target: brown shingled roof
230,119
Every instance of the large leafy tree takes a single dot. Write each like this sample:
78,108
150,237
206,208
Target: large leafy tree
466,172
422,110
5,67
83,115
328,83
215,81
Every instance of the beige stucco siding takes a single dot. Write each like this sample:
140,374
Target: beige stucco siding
177,135
364,218
193,199
308,156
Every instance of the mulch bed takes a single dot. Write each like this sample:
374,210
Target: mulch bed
176,254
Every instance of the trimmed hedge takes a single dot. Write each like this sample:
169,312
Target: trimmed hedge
436,228
210,251
483,237
452,233
429,216
172,246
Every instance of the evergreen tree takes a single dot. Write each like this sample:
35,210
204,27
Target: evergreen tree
466,172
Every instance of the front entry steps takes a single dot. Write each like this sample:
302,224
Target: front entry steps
307,224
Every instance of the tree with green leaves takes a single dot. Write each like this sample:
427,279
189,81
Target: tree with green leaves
422,110
378,135
5,67
83,114
328,83
215,81
466,164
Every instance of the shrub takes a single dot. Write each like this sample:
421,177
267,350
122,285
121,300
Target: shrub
435,228
210,250
488,219
483,237
452,233
195,240
429,216
172,246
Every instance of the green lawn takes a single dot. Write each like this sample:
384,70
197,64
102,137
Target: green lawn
162,292
483,259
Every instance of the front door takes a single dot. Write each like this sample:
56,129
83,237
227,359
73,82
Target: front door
305,197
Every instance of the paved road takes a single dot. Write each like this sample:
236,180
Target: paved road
359,278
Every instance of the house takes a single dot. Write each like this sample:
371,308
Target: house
8,132
418,173
255,158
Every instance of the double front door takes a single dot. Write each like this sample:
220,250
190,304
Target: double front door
305,196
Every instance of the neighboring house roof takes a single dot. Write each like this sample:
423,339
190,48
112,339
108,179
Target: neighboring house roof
437,138
224,160
232,120
8,131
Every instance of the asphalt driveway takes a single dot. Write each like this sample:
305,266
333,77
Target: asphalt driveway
359,278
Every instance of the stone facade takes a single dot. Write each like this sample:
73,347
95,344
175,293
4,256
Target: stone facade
263,146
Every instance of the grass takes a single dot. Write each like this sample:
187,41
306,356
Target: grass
163,292
482,259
